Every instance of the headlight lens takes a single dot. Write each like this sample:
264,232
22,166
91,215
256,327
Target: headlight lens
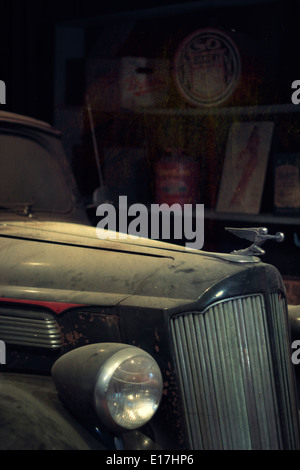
128,389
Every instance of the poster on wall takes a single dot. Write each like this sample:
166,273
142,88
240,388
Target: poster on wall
245,166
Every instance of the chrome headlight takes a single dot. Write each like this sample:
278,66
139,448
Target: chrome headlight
128,389
122,383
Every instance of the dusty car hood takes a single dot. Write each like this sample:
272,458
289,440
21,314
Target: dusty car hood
66,262
85,235
81,235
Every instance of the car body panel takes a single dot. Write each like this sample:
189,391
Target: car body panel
32,417
53,257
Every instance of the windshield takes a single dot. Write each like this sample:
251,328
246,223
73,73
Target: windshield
29,174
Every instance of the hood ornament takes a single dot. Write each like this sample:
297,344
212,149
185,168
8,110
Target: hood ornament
258,236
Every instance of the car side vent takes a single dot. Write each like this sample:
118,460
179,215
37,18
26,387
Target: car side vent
31,328
236,376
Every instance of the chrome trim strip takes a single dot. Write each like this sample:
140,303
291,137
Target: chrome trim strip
29,328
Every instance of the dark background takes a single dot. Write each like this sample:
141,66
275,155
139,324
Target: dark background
27,46
27,38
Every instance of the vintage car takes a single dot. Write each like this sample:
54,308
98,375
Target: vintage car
129,344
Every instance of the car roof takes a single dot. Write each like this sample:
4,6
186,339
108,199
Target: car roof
14,118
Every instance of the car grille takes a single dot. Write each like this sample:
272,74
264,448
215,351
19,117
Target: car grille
235,374
32,328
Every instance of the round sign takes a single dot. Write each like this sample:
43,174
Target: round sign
207,67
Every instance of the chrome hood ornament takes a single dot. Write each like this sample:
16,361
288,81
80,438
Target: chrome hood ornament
258,236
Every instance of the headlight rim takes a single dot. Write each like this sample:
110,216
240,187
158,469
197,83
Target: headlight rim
104,376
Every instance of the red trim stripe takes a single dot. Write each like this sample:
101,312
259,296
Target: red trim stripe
57,307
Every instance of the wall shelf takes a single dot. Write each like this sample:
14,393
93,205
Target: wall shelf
265,218
256,110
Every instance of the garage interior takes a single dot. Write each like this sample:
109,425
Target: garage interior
126,65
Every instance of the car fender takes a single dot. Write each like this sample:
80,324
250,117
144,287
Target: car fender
33,418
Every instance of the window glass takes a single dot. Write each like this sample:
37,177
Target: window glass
30,175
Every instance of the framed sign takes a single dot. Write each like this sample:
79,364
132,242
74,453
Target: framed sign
245,165
292,286
287,183
207,67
